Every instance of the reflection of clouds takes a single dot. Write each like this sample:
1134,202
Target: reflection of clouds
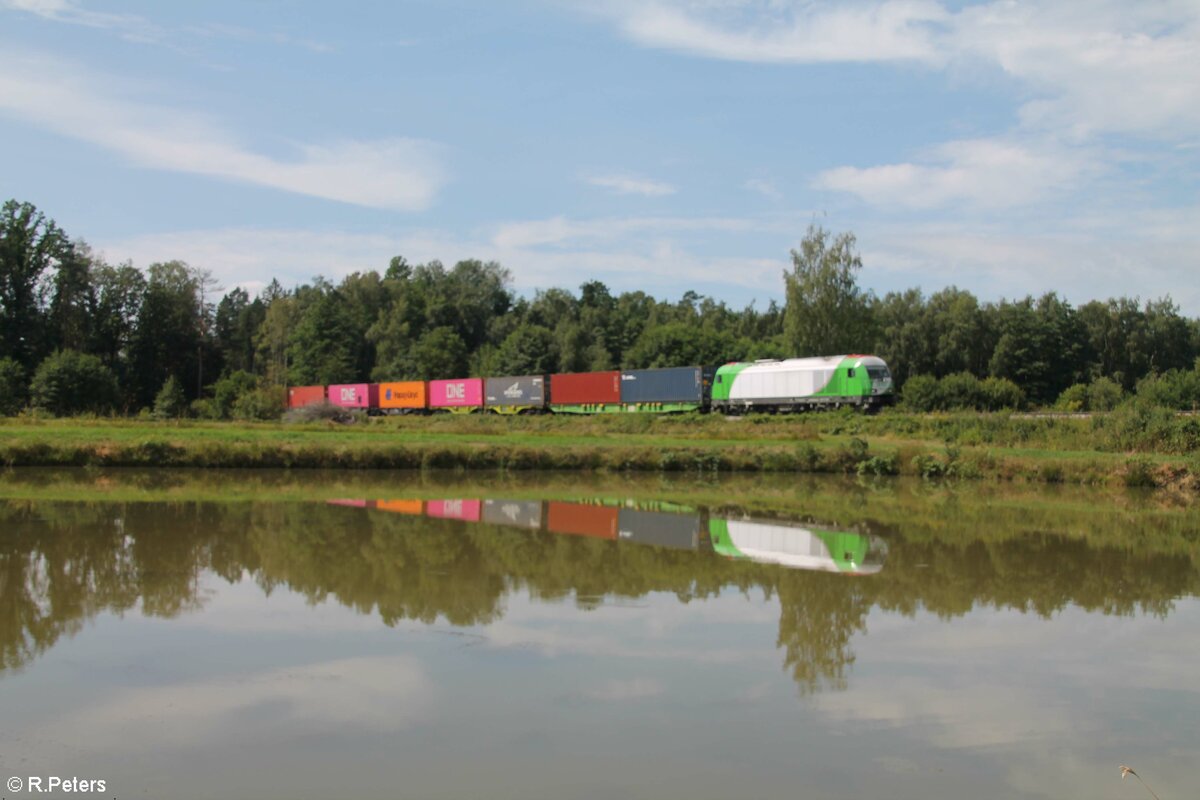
379,694
954,717
622,690
659,628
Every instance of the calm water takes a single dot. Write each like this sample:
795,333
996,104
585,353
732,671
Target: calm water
226,635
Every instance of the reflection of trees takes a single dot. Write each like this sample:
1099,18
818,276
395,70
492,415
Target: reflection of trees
63,563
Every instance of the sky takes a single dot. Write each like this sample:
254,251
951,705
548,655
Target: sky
1008,148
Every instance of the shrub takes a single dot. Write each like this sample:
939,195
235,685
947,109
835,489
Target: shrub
1104,394
960,390
12,387
69,382
264,403
999,394
921,393
170,402
1073,399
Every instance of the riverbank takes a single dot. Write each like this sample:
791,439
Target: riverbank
951,446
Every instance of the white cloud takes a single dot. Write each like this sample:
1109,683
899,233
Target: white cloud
402,174
1095,65
129,25
763,187
987,173
786,32
631,184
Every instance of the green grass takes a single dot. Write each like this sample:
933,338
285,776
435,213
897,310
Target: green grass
974,446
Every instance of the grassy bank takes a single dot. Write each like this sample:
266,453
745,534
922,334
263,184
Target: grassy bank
974,446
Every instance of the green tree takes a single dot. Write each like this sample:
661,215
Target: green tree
170,403
323,345
13,389
827,312
440,353
31,247
168,338
529,350
69,382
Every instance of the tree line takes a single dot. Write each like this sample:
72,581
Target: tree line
80,334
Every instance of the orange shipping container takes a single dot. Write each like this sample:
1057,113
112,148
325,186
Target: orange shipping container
579,519
402,394
401,506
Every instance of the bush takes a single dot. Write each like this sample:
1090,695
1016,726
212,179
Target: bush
1073,399
1000,393
170,402
260,404
920,393
12,387
1178,389
69,382
1104,394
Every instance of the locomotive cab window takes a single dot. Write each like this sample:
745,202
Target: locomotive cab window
719,378
850,372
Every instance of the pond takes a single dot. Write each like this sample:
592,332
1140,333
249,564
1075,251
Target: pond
224,634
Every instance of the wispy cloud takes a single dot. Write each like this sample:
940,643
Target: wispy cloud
403,174
631,184
130,26
894,30
986,173
1092,65
763,187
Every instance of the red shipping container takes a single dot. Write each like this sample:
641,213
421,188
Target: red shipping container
305,395
579,519
588,388
453,509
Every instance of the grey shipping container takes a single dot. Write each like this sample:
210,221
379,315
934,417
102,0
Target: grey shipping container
523,390
658,528
518,513
673,385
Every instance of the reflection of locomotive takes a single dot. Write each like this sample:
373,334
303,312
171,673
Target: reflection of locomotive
661,525
791,385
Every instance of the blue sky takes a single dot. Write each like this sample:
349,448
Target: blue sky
1007,148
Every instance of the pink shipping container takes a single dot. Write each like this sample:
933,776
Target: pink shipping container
457,393
453,509
354,395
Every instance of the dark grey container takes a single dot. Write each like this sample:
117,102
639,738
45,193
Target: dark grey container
659,528
522,390
514,513
672,385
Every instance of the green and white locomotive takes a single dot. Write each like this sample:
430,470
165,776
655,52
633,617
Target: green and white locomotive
797,384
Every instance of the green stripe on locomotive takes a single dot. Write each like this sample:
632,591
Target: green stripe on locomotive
723,380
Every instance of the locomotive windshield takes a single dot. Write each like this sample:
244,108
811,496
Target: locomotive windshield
878,373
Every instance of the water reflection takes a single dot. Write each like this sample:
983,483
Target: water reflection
457,560
785,543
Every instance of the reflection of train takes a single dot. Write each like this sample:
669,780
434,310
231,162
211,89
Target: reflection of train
768,385
660,525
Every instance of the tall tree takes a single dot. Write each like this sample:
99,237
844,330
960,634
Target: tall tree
827,312
30,247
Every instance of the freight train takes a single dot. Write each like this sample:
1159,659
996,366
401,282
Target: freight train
786,544
769,385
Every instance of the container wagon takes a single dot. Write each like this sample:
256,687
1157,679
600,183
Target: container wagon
355,395
300,396
585,392
798,384
459,395
515,395
663,390
402,397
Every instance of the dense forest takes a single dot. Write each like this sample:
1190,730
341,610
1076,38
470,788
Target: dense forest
78,334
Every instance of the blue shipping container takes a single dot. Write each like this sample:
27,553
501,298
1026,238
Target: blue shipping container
672,385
